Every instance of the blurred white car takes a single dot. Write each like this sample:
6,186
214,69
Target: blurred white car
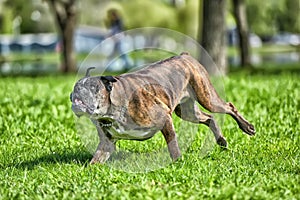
286,39
232,37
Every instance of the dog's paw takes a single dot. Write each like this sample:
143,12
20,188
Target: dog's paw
100,157
221,141
251,129
248,128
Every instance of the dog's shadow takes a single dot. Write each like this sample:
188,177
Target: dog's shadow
82,158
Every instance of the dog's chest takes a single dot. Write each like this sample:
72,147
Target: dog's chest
134,134
128,131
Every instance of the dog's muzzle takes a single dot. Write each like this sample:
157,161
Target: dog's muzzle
80,109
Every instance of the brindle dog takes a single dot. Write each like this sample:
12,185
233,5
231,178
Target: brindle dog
137,105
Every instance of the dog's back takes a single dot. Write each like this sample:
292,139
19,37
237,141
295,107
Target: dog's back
166,79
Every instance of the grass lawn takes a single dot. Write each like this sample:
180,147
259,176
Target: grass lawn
42,156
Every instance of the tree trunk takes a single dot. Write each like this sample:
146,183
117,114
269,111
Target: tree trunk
65,14
213,32
239,10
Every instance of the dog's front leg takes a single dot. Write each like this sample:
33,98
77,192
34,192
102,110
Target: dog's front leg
105,148
170,136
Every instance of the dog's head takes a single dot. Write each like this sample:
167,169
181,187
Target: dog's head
90,95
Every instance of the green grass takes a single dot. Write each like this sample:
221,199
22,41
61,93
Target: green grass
42,156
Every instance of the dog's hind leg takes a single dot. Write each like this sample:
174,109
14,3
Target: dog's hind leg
190,111
210,100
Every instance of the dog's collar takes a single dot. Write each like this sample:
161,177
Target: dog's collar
105,122
106,125
107,81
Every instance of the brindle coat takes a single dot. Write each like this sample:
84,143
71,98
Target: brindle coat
139,104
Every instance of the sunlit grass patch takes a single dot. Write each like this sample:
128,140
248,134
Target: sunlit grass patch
43,157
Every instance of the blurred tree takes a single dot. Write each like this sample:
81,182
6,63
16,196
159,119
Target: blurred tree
189,18
32,17
213,32
136,14
289,22
266,18
258,19
65,14
239,10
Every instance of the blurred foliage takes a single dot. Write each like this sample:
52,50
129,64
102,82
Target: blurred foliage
6,23
291,21
265,17
270,17
183,19
136,10
33,16
146,13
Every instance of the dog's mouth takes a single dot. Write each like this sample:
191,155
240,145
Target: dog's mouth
80,109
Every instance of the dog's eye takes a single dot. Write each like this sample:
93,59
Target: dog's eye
71,96
95,89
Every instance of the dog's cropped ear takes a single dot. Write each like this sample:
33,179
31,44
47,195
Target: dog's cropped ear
107,80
